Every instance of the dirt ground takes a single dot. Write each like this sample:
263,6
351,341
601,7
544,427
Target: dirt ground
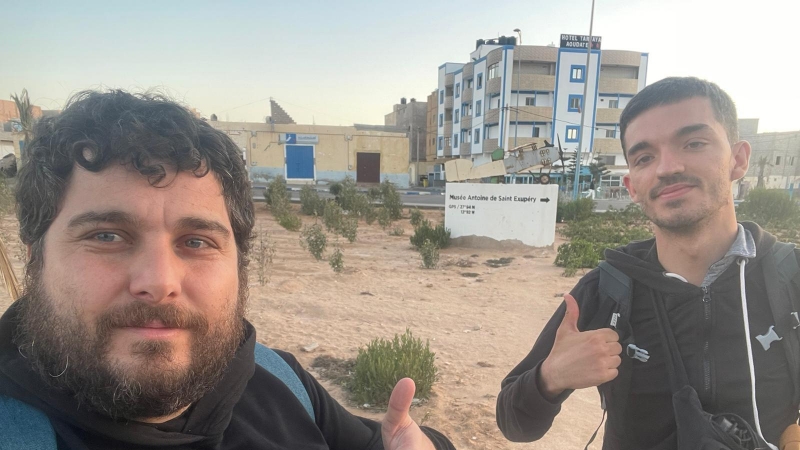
479,326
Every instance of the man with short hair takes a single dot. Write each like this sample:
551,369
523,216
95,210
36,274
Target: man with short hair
699,301
131,332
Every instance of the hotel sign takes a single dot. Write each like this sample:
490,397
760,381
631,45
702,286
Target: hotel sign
579,41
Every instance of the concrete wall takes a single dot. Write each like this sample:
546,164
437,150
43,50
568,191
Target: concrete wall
8,111
8,139
335,153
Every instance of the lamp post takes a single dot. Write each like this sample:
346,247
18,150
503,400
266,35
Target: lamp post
519,77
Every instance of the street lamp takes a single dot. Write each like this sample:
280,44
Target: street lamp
519,77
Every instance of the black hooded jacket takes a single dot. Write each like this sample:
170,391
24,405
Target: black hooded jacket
249,409
710,336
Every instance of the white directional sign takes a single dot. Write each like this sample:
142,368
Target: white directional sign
523,212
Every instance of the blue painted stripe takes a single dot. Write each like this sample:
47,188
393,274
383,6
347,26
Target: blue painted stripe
577,50
479,60
594,114
555,98
610,94
503,95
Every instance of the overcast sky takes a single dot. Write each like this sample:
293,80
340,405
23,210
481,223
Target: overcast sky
347,61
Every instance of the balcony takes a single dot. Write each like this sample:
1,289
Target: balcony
465,149
492,116
620,58
466,122
448,129
607,146
532,114
448,151
448,102
468,71
466,95
490,145
449,79
619,86
494,85
534,82
608,115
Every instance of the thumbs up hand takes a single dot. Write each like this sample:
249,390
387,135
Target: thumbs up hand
399,431
579,359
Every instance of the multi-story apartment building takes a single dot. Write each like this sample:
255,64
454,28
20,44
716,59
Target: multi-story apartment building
412,117
508,95
774,160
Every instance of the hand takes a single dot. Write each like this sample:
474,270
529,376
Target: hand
398,430
579,359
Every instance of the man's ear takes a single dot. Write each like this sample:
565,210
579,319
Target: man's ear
626,180
740,159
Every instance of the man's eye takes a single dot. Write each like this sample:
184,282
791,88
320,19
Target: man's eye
107,237
196,243
696,145
643,159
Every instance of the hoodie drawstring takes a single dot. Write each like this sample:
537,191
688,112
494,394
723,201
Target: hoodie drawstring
742,263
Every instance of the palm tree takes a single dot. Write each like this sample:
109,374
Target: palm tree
25,109
763,162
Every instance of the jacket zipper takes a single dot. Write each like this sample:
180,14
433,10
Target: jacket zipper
706,346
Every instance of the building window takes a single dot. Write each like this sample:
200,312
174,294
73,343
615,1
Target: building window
778,161
536,131
575,103
530,101
468,84
576,74
441,97
573,133
455,140
478,108
441,143
611,134
613,103
456,119
447,142
466,109
458,90
611,181
494,71
477,135
480,80
441,120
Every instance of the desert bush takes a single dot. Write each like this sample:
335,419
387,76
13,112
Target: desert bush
336,260
310,202
416,217
361,206
383,363
345,193
439,235
332,216
374,194
264,252
397,231
314,240
384,217
391,200
578,254
576,210
770,208
276,196
429,253
289,220
348,229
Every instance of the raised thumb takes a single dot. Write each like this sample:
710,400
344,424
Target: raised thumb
570,322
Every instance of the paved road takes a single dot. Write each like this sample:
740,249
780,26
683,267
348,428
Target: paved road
435,199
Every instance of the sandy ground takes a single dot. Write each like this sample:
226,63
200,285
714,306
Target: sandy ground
480,327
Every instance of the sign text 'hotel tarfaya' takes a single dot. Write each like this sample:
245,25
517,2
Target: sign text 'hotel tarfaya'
579,41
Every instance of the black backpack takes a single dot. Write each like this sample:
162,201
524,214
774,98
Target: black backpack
614,311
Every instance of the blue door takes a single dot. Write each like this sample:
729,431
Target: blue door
300,161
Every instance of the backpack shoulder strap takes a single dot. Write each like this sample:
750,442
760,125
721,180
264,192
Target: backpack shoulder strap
617,286
274,364
779,272
24,427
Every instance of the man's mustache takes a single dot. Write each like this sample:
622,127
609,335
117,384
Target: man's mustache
670,180
140,314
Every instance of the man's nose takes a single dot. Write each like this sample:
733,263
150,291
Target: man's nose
156,273
669,163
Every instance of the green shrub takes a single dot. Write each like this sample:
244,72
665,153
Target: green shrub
289,220
276,196
361,206
576,210
430,255
769,208
348,229
332,216
310,202
374,194
391,200
314,240
576,255
384,217
264,252
416,217
383,363
397,231
439,235
345,193
336,260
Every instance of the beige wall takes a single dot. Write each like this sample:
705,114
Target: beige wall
8,110
335,154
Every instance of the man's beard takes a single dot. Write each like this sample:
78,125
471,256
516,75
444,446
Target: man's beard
680,219
67,356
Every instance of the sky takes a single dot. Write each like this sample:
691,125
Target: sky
344,62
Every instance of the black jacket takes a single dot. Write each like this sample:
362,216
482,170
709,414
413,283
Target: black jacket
710,337
250,409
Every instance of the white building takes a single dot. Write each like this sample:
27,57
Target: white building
509,95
